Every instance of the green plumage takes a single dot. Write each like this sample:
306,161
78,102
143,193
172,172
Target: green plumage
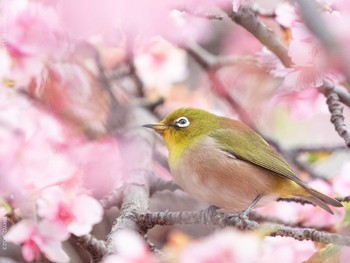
249,146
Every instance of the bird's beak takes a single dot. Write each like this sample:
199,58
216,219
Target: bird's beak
158,127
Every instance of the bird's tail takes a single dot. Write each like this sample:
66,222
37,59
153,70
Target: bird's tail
321,200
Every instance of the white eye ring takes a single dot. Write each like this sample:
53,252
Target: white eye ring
182,122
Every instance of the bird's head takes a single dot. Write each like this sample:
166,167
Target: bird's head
185,125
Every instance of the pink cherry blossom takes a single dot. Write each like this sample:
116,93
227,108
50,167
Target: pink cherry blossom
223,247
5,65
131,249
270,61
239,41
288,249
286,211
302,105
36,238
71,92
100,164
286,14
161,64
32,36
188,26
32,29
117,21
30,148
303,77
336,15
310,64
199,5
304,48
76,211
344,254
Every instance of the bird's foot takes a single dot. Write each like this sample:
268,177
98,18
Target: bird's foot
239,220
243,215
209,212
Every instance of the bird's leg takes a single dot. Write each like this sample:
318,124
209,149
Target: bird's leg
244,214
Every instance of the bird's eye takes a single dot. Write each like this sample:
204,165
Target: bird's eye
182,122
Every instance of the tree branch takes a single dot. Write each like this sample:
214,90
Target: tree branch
96,248
214,218
135,202
137,150
114,198
246,18
337,117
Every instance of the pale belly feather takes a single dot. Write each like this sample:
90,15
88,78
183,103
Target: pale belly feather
210,175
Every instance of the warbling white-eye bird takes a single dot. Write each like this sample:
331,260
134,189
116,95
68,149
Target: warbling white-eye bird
228,165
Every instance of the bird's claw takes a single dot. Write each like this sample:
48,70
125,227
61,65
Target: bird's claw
209,212
243,215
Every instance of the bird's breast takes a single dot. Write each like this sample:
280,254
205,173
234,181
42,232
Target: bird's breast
212,175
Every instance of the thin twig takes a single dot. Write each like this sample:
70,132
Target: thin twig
161,159
138,82
344,199
269,219
318,149
158,184
151,105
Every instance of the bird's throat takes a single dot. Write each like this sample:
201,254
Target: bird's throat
178,148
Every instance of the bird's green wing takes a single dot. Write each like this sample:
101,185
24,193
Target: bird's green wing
245,144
